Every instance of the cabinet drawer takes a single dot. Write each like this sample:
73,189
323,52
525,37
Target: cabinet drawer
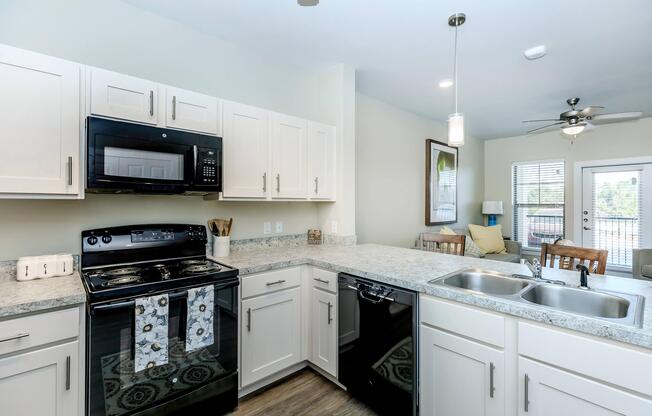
262,283
31,331
619,365
324,280
464,320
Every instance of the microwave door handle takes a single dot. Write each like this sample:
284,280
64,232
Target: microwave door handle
194,165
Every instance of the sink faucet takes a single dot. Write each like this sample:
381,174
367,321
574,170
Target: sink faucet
584,276
535,268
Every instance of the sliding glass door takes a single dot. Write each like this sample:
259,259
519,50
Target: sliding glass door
617,210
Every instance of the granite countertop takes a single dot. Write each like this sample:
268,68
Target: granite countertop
17,298
412,269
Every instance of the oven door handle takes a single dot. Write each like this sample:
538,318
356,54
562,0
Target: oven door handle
131,303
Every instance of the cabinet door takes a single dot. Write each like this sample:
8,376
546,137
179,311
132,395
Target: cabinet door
43,382
189,110
321,144
124,97
271,334
40,128
289,137
460,377
245,146
324,330
551,391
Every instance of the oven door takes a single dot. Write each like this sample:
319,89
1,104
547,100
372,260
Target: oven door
130,157
191,381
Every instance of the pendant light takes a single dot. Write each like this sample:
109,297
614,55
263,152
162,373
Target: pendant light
456,120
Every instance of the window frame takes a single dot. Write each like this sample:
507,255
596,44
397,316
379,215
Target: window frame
515,206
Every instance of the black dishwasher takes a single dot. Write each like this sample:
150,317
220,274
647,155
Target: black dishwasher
378,344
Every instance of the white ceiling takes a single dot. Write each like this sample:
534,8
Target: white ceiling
599,50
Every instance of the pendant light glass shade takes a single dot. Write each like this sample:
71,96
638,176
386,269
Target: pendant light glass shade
456,130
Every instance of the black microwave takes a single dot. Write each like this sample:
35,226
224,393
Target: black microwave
125,157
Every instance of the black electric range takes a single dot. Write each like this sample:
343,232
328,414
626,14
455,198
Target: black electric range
122,264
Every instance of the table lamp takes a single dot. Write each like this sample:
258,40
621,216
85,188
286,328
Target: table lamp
492,208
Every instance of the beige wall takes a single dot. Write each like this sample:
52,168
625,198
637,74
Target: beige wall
390,173
114,35
618,140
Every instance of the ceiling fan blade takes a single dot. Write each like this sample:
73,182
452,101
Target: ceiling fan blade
615,117
547,126
536,121
590,111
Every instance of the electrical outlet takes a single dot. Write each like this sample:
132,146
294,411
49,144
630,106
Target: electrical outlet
267,228
334,226
279,227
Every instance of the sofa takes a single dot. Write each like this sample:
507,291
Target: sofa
642,263
513,254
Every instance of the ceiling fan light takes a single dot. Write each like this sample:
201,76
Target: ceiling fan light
456,130
573,130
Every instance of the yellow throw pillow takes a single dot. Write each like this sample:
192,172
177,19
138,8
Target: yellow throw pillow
489,239
447,231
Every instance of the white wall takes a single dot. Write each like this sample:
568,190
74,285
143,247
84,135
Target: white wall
619,140
114,35
390,173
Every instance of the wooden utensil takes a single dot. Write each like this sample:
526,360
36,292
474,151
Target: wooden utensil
228,228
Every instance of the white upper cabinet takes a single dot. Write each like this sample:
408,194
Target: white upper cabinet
189,110
321,150
40,128
122,96
245,145
288,144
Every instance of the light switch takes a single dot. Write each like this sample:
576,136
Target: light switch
279,227
267,228
334,227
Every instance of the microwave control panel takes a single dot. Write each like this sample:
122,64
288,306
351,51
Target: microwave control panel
207,166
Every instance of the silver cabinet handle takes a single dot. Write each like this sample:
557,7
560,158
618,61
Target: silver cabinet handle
321,280
330,318
526,404
316,185
265,182
586,228
249,320
70,170
151,103
278,282
174,107
278,182
14,337
68,373
492,367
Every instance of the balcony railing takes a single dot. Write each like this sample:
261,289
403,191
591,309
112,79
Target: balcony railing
544,229
619,235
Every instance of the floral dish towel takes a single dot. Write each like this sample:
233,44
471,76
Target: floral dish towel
199,327
151,341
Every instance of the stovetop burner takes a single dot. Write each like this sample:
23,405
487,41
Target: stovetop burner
201,268
122,271
123,280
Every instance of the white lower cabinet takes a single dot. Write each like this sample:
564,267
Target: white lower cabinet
460,377
43,382
271,334
324,330
546,390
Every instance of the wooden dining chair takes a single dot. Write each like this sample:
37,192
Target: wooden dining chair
569,256
443,243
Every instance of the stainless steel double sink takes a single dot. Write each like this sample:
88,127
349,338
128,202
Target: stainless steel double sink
622,308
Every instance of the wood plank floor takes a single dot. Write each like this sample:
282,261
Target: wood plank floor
305,393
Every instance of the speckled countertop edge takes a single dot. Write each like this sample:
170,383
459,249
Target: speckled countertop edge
19,298
412,269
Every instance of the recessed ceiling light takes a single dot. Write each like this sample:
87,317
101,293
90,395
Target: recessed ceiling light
308,3
535,52
445,83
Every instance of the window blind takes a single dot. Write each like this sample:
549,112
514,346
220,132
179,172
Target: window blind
617,213
538,202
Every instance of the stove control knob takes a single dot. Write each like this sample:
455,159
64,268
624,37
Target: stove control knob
92,240
106,238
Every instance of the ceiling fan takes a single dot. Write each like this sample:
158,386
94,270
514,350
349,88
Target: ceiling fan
574,121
